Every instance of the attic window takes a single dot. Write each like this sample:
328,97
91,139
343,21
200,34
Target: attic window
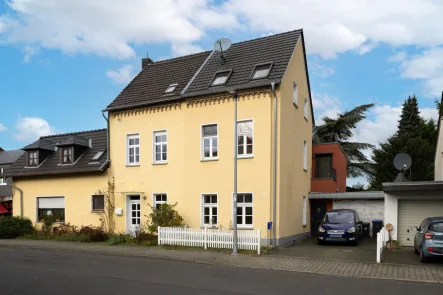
221,78
97,156
32,159
261,71
66,155
171,88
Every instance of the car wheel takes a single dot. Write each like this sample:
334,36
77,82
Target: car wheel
423,258
320,242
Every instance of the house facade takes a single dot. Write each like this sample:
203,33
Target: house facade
6,160
171,139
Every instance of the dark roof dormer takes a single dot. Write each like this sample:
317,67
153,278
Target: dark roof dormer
72,148
37,152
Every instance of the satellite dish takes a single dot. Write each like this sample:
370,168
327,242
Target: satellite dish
222,44
402,161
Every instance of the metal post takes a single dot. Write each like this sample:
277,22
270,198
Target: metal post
234,203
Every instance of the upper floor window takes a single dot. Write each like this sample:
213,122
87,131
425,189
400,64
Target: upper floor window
245,138
261,71
306,108
160,199
160,147
305,155
244,210
32,158
133,149
210,141
295,93
323,166
221,78
66,154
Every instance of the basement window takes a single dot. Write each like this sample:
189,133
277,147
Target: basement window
220,78
261,71
171,88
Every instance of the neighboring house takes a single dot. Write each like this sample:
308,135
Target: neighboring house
172,138
60,175
6,159
328,189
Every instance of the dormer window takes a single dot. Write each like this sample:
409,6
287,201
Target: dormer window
32,158
261,71
171,88
221,78
66,154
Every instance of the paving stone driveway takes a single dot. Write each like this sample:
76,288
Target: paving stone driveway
365,252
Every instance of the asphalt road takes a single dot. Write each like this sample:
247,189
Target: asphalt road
42,272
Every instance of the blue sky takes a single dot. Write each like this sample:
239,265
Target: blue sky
62,62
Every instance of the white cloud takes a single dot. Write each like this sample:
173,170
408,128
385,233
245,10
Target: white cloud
124,75
2,127
325,105
321,70
29,52
31,128
110,27
398,57
185,49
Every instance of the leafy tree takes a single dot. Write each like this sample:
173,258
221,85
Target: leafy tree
415,137
340,130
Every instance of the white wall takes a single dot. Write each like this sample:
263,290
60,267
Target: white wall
438,165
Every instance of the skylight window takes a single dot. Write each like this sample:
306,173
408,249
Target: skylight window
97,156
171,88
221,78
261,71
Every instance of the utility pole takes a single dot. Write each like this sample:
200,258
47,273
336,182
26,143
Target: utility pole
234,203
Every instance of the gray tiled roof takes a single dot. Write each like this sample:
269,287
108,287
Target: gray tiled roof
40,144
150,84
52,164
241,58
8,157
74,140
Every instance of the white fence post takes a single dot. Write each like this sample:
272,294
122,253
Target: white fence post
379,243
259,242
159,235
205,234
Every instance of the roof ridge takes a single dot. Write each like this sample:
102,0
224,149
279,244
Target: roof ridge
273,35
178,57
71,133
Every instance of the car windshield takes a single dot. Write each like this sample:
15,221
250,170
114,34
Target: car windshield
436,227
339,217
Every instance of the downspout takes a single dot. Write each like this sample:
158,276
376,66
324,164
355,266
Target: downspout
21,198
274,172
107,137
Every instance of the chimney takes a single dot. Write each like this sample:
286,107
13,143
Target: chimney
146,62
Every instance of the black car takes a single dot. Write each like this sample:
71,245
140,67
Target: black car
340,225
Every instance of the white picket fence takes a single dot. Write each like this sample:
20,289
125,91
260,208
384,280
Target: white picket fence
381,243
209,238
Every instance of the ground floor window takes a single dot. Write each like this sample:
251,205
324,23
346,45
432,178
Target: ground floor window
244,209
160,199
98,203
51,206
210,209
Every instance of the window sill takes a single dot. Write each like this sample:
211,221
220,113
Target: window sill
245,157
244,227
159,163
209,159
98,211
132,165
55,222
295,103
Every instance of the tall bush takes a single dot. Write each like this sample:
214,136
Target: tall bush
164,215
14,227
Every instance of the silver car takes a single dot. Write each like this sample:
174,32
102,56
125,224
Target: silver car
428,241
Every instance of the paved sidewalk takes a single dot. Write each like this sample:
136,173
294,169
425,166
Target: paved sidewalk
284,263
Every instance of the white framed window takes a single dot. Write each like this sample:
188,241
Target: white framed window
261,71
160,147
51,206
304,211
98,203
209,210
305,155
245,138
133,149
2,181
245,209
306,108
159,199
209,142
295,93
221,78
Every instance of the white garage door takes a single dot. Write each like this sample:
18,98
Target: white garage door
368,210
412,213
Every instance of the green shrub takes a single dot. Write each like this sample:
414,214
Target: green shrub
164,215
118,239
92,234
14,227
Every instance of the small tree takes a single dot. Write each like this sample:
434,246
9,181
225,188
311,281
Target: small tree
164,215
107,218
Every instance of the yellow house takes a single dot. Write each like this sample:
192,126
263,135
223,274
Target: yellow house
171,139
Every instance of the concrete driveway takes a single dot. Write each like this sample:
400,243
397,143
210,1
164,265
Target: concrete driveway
406,255
308,247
